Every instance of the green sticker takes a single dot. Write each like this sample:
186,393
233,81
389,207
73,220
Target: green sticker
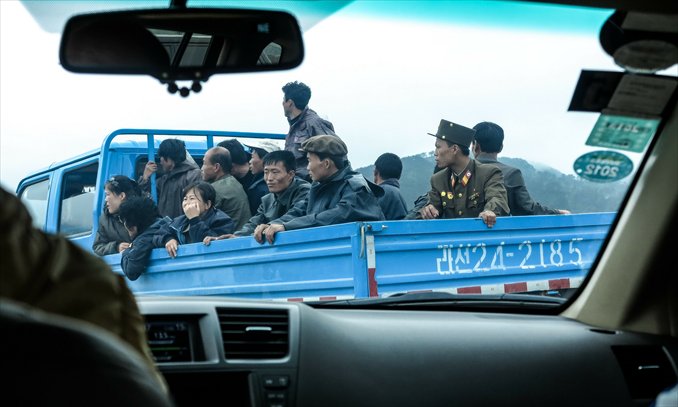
603,166
622,132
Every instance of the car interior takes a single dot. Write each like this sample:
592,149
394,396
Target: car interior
614,342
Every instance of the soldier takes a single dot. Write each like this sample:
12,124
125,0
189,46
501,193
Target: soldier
465,188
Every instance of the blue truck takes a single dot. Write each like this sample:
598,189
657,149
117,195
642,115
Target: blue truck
361,259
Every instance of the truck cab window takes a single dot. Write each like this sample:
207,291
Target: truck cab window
77,198
35,197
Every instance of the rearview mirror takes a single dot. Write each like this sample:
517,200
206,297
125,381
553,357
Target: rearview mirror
181,44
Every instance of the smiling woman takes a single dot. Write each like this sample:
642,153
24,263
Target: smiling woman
317,300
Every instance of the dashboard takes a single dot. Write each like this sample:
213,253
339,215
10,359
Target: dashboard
274,354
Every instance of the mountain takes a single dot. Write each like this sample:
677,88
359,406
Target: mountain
546,185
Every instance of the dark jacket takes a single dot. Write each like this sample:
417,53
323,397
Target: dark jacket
246,180
519,200
419,203
256,191
214,222
135,259
171,185
345,197
483,191
392,203
274,206
110,234
307,124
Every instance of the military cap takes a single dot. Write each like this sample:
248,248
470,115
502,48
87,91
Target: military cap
454,133
325,144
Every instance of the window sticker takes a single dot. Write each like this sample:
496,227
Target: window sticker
623,132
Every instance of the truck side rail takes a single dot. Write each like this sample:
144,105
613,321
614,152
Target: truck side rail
355,260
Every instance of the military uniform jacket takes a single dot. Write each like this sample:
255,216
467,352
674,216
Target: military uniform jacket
274,206
232,199
344,197
519,200
479,187
110,234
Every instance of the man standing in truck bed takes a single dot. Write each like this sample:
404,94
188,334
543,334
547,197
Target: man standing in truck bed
304,123
178,173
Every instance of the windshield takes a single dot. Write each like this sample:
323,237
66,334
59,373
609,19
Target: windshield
508,159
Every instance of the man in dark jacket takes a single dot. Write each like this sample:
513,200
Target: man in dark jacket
488,143
144,224
338,194
465,188
286,190
387,171
177,174
304,123
240,162
258,188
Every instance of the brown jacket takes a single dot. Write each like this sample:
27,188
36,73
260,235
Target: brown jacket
483,190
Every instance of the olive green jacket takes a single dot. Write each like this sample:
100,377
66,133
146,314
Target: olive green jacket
232,199
482,190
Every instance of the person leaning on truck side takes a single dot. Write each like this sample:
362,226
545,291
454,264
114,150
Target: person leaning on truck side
112,237
338,194
230,195
200,219
140,216
466,188
51,273
303,121
488,143
387,171
177,174
286,190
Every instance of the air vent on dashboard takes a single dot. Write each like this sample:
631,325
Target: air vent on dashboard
254,333
647,370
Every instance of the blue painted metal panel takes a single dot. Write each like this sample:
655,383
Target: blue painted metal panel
332,261
457,253
312,262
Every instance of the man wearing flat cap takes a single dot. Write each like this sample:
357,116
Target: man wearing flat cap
338,194
466,188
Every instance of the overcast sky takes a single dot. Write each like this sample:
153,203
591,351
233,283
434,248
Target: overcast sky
386,97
